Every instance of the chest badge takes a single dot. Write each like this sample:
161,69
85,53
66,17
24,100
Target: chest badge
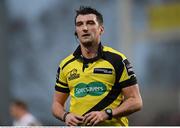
73,74
103,70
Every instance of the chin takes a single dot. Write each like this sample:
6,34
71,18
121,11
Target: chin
87,43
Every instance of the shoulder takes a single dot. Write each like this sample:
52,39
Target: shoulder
66,60
113,53
28,117
31,120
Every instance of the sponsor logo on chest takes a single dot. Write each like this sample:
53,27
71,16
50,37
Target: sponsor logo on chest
92,89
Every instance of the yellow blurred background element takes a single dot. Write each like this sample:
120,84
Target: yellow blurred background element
164,17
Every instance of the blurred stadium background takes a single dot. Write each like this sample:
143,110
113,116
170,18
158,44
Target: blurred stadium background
36,34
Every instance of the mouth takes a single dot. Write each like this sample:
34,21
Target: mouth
85,35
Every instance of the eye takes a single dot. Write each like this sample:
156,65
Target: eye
91,22
79,23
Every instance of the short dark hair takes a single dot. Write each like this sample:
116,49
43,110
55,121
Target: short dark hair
20,104
84,10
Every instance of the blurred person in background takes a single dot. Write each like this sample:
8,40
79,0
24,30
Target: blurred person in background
99,79
21,115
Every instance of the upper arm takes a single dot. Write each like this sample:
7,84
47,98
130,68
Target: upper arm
128,80
132,92
60,97
61,87
129,86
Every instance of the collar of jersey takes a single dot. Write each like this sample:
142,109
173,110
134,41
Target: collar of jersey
78,54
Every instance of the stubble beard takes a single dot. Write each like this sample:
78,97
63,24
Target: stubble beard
87,44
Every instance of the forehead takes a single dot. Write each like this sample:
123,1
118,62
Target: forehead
13,106
86,17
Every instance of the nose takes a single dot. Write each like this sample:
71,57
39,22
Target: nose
84,28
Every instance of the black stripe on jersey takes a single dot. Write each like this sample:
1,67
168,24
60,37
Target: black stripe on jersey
59,82
57,78
60,89
116,61
71,60
57,75
128,82
112,95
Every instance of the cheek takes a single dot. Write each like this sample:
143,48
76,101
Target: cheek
77,31
12,112
95,31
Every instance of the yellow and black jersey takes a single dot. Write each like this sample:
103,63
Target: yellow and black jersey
95,84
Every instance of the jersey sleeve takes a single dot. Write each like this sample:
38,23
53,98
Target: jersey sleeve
128,77
61,82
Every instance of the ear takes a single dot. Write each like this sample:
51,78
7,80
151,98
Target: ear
75,33
101,29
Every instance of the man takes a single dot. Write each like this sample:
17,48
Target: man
19,111
99,79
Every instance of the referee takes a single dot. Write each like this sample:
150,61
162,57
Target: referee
100,80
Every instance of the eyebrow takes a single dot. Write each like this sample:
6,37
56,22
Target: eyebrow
79,22
85,21
91,21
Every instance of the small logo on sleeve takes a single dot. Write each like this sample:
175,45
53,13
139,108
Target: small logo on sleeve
129,67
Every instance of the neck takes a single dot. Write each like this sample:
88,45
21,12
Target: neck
21,114
89,52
